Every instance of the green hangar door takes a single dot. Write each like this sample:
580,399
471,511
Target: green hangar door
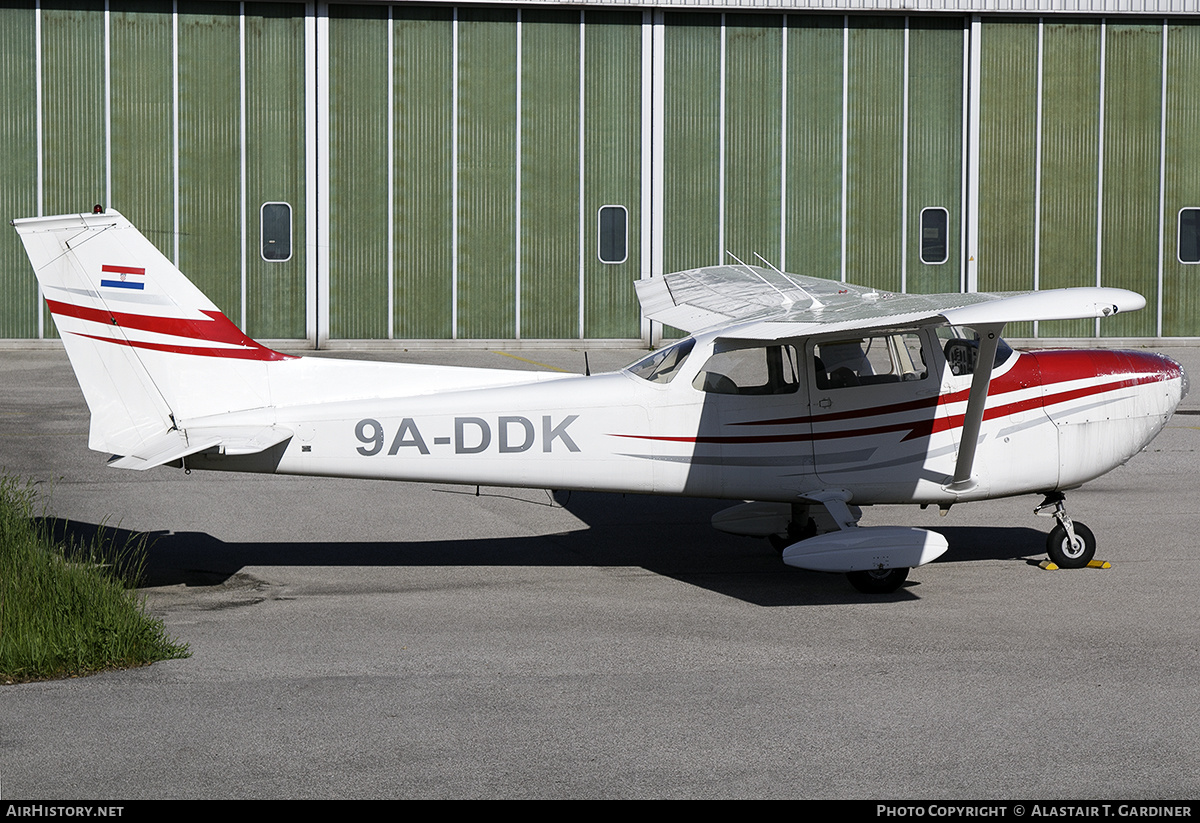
340,172
1087,141
826,145
190,121
484,173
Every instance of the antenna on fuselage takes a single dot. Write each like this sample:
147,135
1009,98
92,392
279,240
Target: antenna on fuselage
787,301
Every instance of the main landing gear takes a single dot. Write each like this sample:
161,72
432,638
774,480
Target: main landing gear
795,532
820,532
1070,545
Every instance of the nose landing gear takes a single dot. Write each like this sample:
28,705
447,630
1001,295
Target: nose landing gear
1070,545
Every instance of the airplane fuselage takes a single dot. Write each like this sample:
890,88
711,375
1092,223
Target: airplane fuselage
1053,420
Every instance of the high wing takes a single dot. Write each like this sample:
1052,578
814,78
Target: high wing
761,304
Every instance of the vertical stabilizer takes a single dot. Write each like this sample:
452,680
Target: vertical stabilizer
148,348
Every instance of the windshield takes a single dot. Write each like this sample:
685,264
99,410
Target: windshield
661,366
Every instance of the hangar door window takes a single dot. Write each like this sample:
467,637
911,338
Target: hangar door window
276,225
935,228
1189,235
613,247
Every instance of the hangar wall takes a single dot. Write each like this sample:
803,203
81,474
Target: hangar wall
505,173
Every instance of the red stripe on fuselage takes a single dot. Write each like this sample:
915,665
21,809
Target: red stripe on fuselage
1066,366
955,421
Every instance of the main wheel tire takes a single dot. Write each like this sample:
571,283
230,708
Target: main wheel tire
1068,556
878,581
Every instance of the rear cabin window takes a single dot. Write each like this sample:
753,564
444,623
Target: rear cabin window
865,361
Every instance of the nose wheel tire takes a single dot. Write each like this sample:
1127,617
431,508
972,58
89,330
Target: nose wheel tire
1068,555
878,581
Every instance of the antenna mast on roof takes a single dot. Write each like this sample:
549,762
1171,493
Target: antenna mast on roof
815,304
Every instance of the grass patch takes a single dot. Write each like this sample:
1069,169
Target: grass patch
69,608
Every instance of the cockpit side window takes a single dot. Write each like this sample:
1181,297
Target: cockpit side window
864,361
750,370
662,365
961,347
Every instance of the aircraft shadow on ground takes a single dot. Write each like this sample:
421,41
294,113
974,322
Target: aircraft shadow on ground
667,536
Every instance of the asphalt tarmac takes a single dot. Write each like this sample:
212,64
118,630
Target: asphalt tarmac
356,639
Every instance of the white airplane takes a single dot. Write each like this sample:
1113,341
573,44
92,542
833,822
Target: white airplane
807,397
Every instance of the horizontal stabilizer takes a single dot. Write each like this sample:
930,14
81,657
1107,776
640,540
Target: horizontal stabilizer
176,444
159,450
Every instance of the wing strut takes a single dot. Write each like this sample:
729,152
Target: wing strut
989,340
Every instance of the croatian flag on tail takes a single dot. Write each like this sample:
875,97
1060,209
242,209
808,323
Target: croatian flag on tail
126,273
